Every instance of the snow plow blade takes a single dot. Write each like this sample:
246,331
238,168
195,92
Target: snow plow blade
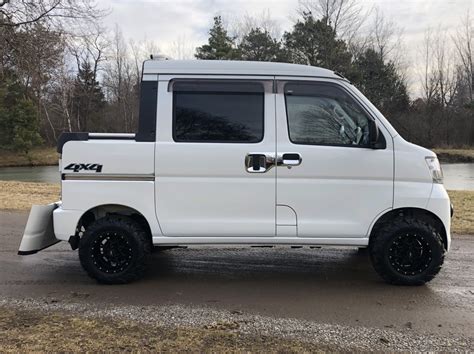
39,233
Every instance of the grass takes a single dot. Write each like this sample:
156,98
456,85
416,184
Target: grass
21,195
455,155
41,156
463,219
35,331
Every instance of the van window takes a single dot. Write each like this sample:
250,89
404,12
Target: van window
323,114
220,116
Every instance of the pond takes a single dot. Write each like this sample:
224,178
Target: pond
48,174
459,176
456,176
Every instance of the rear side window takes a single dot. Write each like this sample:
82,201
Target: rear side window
323,114
218,112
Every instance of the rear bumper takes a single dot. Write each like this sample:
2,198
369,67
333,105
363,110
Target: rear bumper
39,230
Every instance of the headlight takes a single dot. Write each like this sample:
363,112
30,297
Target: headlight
435,169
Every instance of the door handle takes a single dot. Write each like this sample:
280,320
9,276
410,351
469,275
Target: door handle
259,162
289,159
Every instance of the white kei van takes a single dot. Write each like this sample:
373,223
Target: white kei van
247,153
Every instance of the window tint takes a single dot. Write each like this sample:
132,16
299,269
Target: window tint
232,117
322,114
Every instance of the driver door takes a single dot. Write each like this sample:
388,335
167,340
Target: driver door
341,184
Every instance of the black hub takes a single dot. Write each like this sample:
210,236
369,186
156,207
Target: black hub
111,252
409,253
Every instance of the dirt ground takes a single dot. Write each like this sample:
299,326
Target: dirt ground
331,294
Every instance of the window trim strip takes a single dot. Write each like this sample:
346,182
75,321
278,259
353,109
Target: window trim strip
220,85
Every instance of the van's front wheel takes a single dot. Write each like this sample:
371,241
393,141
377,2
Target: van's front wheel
114,249
407,251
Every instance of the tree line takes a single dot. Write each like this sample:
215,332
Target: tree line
61,70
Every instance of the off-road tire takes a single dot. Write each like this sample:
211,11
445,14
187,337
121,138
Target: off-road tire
133,247
407,231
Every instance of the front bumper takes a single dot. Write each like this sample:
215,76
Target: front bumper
39,230
440,205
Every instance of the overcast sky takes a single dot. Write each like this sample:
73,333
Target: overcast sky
166,21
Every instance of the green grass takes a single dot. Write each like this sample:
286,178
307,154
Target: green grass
41,156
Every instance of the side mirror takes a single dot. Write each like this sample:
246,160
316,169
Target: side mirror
377,140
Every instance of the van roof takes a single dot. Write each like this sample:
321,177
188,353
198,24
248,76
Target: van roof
229,67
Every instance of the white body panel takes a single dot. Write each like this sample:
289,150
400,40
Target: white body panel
118,157
126,179
79,196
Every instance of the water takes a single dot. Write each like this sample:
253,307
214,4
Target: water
459,176
49,174
456,175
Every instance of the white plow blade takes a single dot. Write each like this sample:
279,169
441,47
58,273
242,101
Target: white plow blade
39,233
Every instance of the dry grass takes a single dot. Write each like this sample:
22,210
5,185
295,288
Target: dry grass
21,195
34,331
43,156
455,155
463,220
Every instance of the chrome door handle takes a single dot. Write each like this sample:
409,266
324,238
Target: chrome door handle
289,159
259,162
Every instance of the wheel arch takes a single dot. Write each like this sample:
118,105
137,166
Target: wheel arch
102,210
417,213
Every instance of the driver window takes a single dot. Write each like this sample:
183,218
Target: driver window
323,114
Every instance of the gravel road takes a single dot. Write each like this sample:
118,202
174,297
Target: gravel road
327,295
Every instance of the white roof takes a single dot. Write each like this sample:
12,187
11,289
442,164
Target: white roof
229,67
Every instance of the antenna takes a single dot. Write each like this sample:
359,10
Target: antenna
159,57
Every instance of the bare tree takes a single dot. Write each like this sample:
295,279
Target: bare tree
240,27
346,17
181,49
464,42
17,13
89,45
121,82
439,81
141,51
61,94
385,37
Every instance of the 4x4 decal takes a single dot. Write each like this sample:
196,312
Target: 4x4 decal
76,167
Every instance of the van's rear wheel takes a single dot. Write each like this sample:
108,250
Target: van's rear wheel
407,251
114,250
